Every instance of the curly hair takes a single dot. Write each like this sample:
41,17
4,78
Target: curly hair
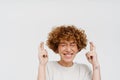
66,32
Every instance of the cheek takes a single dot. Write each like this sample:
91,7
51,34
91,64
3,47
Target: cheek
75,49
61,48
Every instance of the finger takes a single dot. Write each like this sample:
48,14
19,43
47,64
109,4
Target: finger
45,56
42,45
92,47
90,55
44,53
87,55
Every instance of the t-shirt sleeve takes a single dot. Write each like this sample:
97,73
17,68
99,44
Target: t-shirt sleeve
88,73
88,76
49,71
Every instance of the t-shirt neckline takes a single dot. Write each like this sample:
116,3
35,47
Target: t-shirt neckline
63,67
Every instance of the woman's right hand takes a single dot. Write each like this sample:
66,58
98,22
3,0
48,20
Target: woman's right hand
42,54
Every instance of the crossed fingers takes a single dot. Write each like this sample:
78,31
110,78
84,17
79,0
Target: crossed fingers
42,51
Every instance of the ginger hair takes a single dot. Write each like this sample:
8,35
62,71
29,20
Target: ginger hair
66,32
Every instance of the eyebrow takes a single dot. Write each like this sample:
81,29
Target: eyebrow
62,43
73,42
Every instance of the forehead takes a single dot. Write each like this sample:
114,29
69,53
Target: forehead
67,41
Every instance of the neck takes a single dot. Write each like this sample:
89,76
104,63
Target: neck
66,64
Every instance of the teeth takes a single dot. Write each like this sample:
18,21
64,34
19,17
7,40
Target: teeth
69,54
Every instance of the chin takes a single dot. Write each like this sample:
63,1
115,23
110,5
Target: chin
68,60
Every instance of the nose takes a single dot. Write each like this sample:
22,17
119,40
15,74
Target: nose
68,48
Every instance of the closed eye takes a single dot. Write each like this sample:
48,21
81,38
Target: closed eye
73,44
62,44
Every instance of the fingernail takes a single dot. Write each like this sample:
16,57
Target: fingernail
44,56
91,57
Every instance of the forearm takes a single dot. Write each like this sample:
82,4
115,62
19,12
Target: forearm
41,72
96,72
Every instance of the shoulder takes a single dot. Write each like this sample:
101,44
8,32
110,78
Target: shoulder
51,63
51,66
82,66
85,71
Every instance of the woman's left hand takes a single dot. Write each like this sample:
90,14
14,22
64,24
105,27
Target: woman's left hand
91,55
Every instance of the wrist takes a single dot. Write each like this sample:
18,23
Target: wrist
42,65
96,66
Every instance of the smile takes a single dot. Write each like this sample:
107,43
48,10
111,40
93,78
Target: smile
68,55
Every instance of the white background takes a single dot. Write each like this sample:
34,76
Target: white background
25,23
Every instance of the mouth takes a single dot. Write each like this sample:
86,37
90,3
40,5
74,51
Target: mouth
68,55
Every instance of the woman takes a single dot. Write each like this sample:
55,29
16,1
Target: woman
67,41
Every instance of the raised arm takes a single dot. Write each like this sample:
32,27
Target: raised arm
92,58
43,59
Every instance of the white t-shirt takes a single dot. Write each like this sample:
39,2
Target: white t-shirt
54,71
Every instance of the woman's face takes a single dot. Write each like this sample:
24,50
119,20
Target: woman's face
67,50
